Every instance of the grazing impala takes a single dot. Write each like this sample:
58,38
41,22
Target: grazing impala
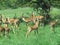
31,28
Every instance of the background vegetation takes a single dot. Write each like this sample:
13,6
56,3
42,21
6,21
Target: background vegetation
4,4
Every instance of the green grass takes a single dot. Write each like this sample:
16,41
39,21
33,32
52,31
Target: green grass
44,37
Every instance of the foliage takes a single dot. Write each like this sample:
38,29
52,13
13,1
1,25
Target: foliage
4,4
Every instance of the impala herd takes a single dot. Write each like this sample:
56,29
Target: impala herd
38,20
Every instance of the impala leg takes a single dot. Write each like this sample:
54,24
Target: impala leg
28,33
6,33
52,28
16,25
36,31
13,29
0,33
26,23
40,23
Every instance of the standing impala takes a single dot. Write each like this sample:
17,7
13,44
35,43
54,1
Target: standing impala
29,19
52,24
31,28
3,19
4,30
39,17
13,22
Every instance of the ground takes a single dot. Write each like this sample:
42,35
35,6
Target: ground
44,37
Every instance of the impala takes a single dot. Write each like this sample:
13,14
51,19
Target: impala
53,23
31,28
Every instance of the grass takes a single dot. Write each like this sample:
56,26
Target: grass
44,37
